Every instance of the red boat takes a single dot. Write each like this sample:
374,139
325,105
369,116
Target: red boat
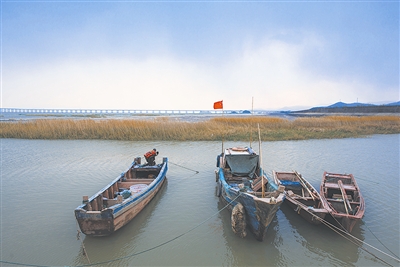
345,201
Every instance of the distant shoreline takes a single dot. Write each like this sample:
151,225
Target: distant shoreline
337,114
361,110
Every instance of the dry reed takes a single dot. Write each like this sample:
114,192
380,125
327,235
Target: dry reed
219,128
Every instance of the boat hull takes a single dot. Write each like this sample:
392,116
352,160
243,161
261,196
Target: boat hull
105,221
306,211
312,208
347,222
259,211
347,205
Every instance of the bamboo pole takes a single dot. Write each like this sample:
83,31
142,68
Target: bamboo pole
344,195
305,185
251,122
260,163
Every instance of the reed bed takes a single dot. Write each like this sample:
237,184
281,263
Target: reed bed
215,129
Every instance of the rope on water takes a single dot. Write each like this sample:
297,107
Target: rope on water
141,252
166,242
381,242
183,167
353,239
78,237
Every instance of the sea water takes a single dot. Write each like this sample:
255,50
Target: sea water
43,181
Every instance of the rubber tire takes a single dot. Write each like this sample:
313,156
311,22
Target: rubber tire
219,189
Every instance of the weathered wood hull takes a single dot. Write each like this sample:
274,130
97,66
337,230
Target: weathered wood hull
259,211
347,207
104,214
306,210
310,206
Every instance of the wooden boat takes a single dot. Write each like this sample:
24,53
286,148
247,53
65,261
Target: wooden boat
344,197
242,184
301,196
121,200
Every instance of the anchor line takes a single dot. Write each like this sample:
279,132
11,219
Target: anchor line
331,226
168,241
183,167
78,237
352,239
141,252
381,242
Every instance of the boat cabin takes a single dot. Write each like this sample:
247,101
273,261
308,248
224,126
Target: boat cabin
241,169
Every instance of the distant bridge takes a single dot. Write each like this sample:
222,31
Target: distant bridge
121,111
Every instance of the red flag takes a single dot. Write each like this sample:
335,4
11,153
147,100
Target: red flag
218,105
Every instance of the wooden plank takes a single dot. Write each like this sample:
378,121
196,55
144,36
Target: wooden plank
94,205
141,181
346,200
111,192
259,183
339,176
336,186
106,193
304,184
339,196
100,202
115,186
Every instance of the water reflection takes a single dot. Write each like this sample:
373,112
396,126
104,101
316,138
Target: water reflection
321,240
248,251
123,242
55,175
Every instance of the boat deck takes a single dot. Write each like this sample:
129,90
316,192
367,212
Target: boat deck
336,186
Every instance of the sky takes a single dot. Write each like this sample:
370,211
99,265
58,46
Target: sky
186,55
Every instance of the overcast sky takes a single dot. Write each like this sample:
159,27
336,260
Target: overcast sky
190,54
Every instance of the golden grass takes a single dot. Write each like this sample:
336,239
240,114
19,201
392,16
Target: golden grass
215,129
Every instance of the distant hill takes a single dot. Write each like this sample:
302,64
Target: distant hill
394,104
341,107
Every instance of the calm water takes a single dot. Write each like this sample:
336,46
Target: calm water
43,181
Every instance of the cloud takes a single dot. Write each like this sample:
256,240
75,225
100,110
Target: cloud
154,83
274,72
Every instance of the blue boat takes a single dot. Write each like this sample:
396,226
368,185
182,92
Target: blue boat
242,184
121,200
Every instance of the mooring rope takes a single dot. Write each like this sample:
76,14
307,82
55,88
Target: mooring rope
166,242
78,237
394,254
138,253
343,233
22,264
183,167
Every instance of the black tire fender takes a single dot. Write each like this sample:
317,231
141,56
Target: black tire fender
219,189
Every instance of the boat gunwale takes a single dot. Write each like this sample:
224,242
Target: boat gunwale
295,200
143,194
116,208
360,204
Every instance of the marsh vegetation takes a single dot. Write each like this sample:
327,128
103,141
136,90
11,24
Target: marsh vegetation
218,128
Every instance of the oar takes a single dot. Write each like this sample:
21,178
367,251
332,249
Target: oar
304,185
344,195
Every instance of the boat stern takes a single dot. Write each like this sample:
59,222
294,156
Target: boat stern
95,223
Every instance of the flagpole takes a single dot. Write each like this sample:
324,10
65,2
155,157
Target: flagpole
220,105
223,132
